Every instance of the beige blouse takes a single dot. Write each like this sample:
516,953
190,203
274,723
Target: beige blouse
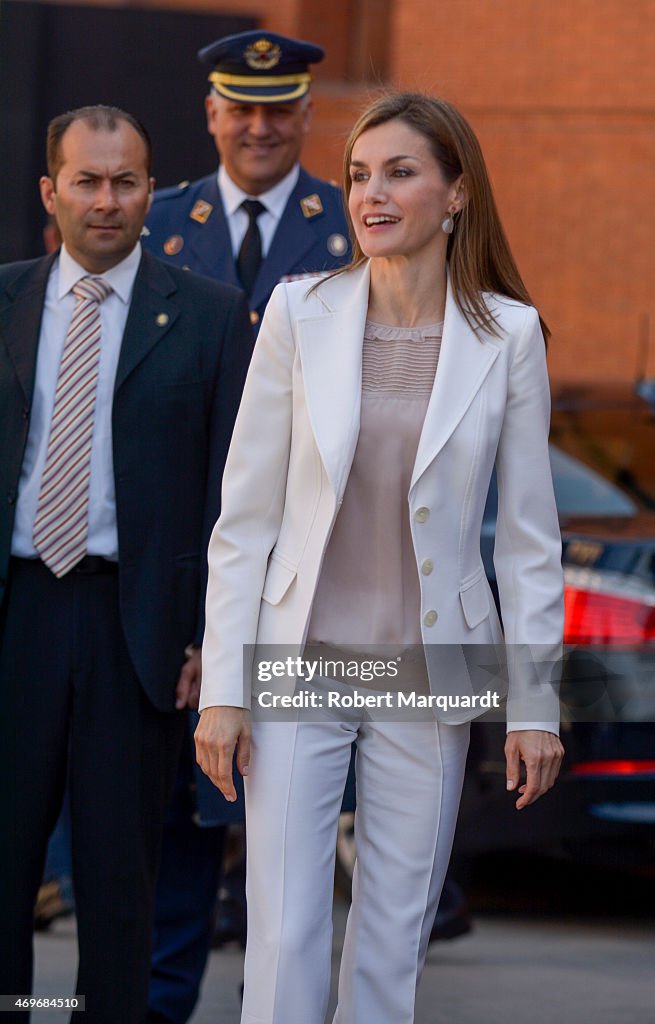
368,591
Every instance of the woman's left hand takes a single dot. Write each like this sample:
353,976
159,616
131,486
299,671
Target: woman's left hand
542,754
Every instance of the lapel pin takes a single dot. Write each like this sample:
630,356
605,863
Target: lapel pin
337,245
201,210
173,245
311,205
162,319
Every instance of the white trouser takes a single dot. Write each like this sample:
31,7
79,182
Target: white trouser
409,781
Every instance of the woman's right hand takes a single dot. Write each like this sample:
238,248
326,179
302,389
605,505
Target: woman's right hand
221,729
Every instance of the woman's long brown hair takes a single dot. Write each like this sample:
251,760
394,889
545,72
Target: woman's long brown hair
478,253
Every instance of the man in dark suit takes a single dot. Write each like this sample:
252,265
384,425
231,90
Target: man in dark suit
260,218
120,379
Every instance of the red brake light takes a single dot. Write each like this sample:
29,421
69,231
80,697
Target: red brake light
622,767
592,617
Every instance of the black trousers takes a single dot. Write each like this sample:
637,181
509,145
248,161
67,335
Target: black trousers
69,698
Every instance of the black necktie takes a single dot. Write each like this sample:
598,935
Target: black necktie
250,253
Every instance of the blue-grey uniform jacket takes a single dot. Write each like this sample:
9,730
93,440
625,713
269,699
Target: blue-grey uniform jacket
188,227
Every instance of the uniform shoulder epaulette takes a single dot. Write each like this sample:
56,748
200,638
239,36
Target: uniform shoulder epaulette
173,192
328,188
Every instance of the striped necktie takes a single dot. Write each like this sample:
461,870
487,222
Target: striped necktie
61,525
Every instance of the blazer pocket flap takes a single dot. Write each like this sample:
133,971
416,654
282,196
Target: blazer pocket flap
279,578
475,601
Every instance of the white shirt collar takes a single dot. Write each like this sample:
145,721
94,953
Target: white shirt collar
275,199
121,277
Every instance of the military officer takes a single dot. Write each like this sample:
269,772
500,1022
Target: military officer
262,217
259,219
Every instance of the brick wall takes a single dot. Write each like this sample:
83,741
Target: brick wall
562,95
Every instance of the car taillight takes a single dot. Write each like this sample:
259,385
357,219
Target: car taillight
594,617
616,767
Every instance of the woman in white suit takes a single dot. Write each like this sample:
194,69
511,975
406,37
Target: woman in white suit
377,404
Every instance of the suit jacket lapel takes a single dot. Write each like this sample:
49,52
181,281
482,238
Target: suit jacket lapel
21,310
331,355
212,245
151,315
330,345
465,359
295,235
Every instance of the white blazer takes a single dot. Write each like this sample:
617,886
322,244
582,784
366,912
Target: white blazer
291,453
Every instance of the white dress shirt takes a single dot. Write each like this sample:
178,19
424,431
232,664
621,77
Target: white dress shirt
274,200
57,312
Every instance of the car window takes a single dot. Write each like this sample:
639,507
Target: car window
581,491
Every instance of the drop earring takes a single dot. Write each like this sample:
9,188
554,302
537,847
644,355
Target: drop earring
448,223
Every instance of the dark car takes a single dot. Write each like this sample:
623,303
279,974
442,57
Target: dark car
602,809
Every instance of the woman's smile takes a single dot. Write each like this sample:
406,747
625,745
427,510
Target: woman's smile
398,194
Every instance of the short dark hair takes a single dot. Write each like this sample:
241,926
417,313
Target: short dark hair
98,118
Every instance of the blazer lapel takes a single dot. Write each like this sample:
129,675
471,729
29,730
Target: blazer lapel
212,246
21,309
151,315
330,344
331,355
465,359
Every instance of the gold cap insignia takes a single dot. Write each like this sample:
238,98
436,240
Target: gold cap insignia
173,245
337,245
162,319
262,55
201,210
311,205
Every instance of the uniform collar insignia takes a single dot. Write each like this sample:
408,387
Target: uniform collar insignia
311,205
201,211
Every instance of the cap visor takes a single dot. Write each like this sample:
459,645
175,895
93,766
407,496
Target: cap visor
262,93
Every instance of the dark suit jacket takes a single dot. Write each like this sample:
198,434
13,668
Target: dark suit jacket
183,360
311,236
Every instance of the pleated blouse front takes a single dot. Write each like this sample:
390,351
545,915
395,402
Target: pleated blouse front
368,591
